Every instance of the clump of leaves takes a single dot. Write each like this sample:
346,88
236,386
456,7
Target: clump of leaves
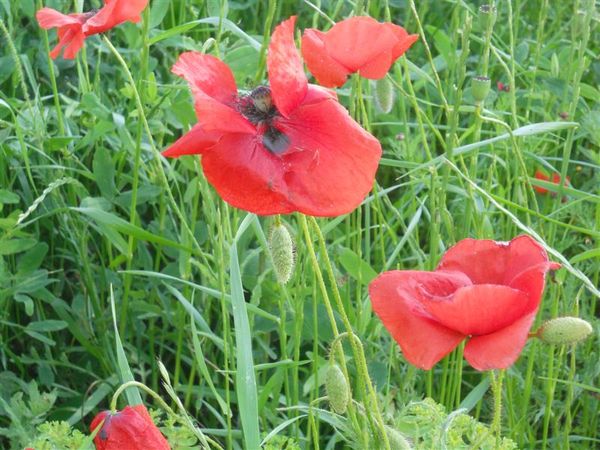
180,437
282,443
56,435
428,425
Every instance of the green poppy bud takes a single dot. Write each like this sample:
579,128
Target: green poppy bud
480,87
396,439
283,252
384,95
487,16
564,330
337,389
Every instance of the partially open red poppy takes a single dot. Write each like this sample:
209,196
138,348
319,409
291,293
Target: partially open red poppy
278,149
554,179
74,28
359,44
130,429
485,291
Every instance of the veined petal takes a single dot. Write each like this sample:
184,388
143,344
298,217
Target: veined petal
331,163
194,142
327,71
403,40
216,116
73,41
397,303
207,74
501,349
50,18
286,72
114,13
246,175
478,309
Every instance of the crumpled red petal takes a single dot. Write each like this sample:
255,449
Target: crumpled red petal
501,349
478,309
286,73
396,300
331,165
114,13
129,429
194,142
50,18
327,71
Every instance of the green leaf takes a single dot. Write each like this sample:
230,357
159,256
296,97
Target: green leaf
18,245
158,12
47,326
357,268
8,198
104,173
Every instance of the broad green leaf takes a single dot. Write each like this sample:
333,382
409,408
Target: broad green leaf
356,267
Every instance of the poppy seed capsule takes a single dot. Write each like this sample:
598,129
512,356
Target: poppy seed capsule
396,440
480,87
564,330
337,389
384,95
487,16
282,251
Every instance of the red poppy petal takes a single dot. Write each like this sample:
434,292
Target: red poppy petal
207,74
216,116
246,175
539,175
403,40
193,142
423,341
356,41
114,13
316,93
478,309
50,18
286,72
501,349
73,45
377,67
532,281
331,165
489,262
327,71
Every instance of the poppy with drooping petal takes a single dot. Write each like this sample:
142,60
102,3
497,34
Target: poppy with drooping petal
129,429
484,291
555,179
74,28
359,44
278,149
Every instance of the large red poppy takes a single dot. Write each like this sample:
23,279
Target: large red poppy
284,148
485,291
555,179
74,28
130,429
359,44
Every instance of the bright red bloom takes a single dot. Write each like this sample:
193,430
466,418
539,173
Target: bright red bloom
130,429
502,87
284,148
485,291
74,28
359,44
555,179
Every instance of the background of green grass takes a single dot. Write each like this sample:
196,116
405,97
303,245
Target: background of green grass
84,206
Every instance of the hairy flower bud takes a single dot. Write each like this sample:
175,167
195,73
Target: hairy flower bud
384,95
564,330
396,439
282,251
337,389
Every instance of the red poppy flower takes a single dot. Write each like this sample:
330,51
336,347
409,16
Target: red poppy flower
284,148
74,28
555,179
130,429
359,44
502,87
485,291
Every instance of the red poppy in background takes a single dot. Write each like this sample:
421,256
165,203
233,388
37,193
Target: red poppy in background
284,148
359,44
130,429
539,175
485,291
74,28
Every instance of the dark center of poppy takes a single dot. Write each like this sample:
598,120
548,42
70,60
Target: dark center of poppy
258,108
104,431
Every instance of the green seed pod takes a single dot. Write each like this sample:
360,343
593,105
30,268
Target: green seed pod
487,16
480,87
384,95
283,252
337,389
397,440
564,330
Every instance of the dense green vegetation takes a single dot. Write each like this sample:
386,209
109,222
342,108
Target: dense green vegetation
91,216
